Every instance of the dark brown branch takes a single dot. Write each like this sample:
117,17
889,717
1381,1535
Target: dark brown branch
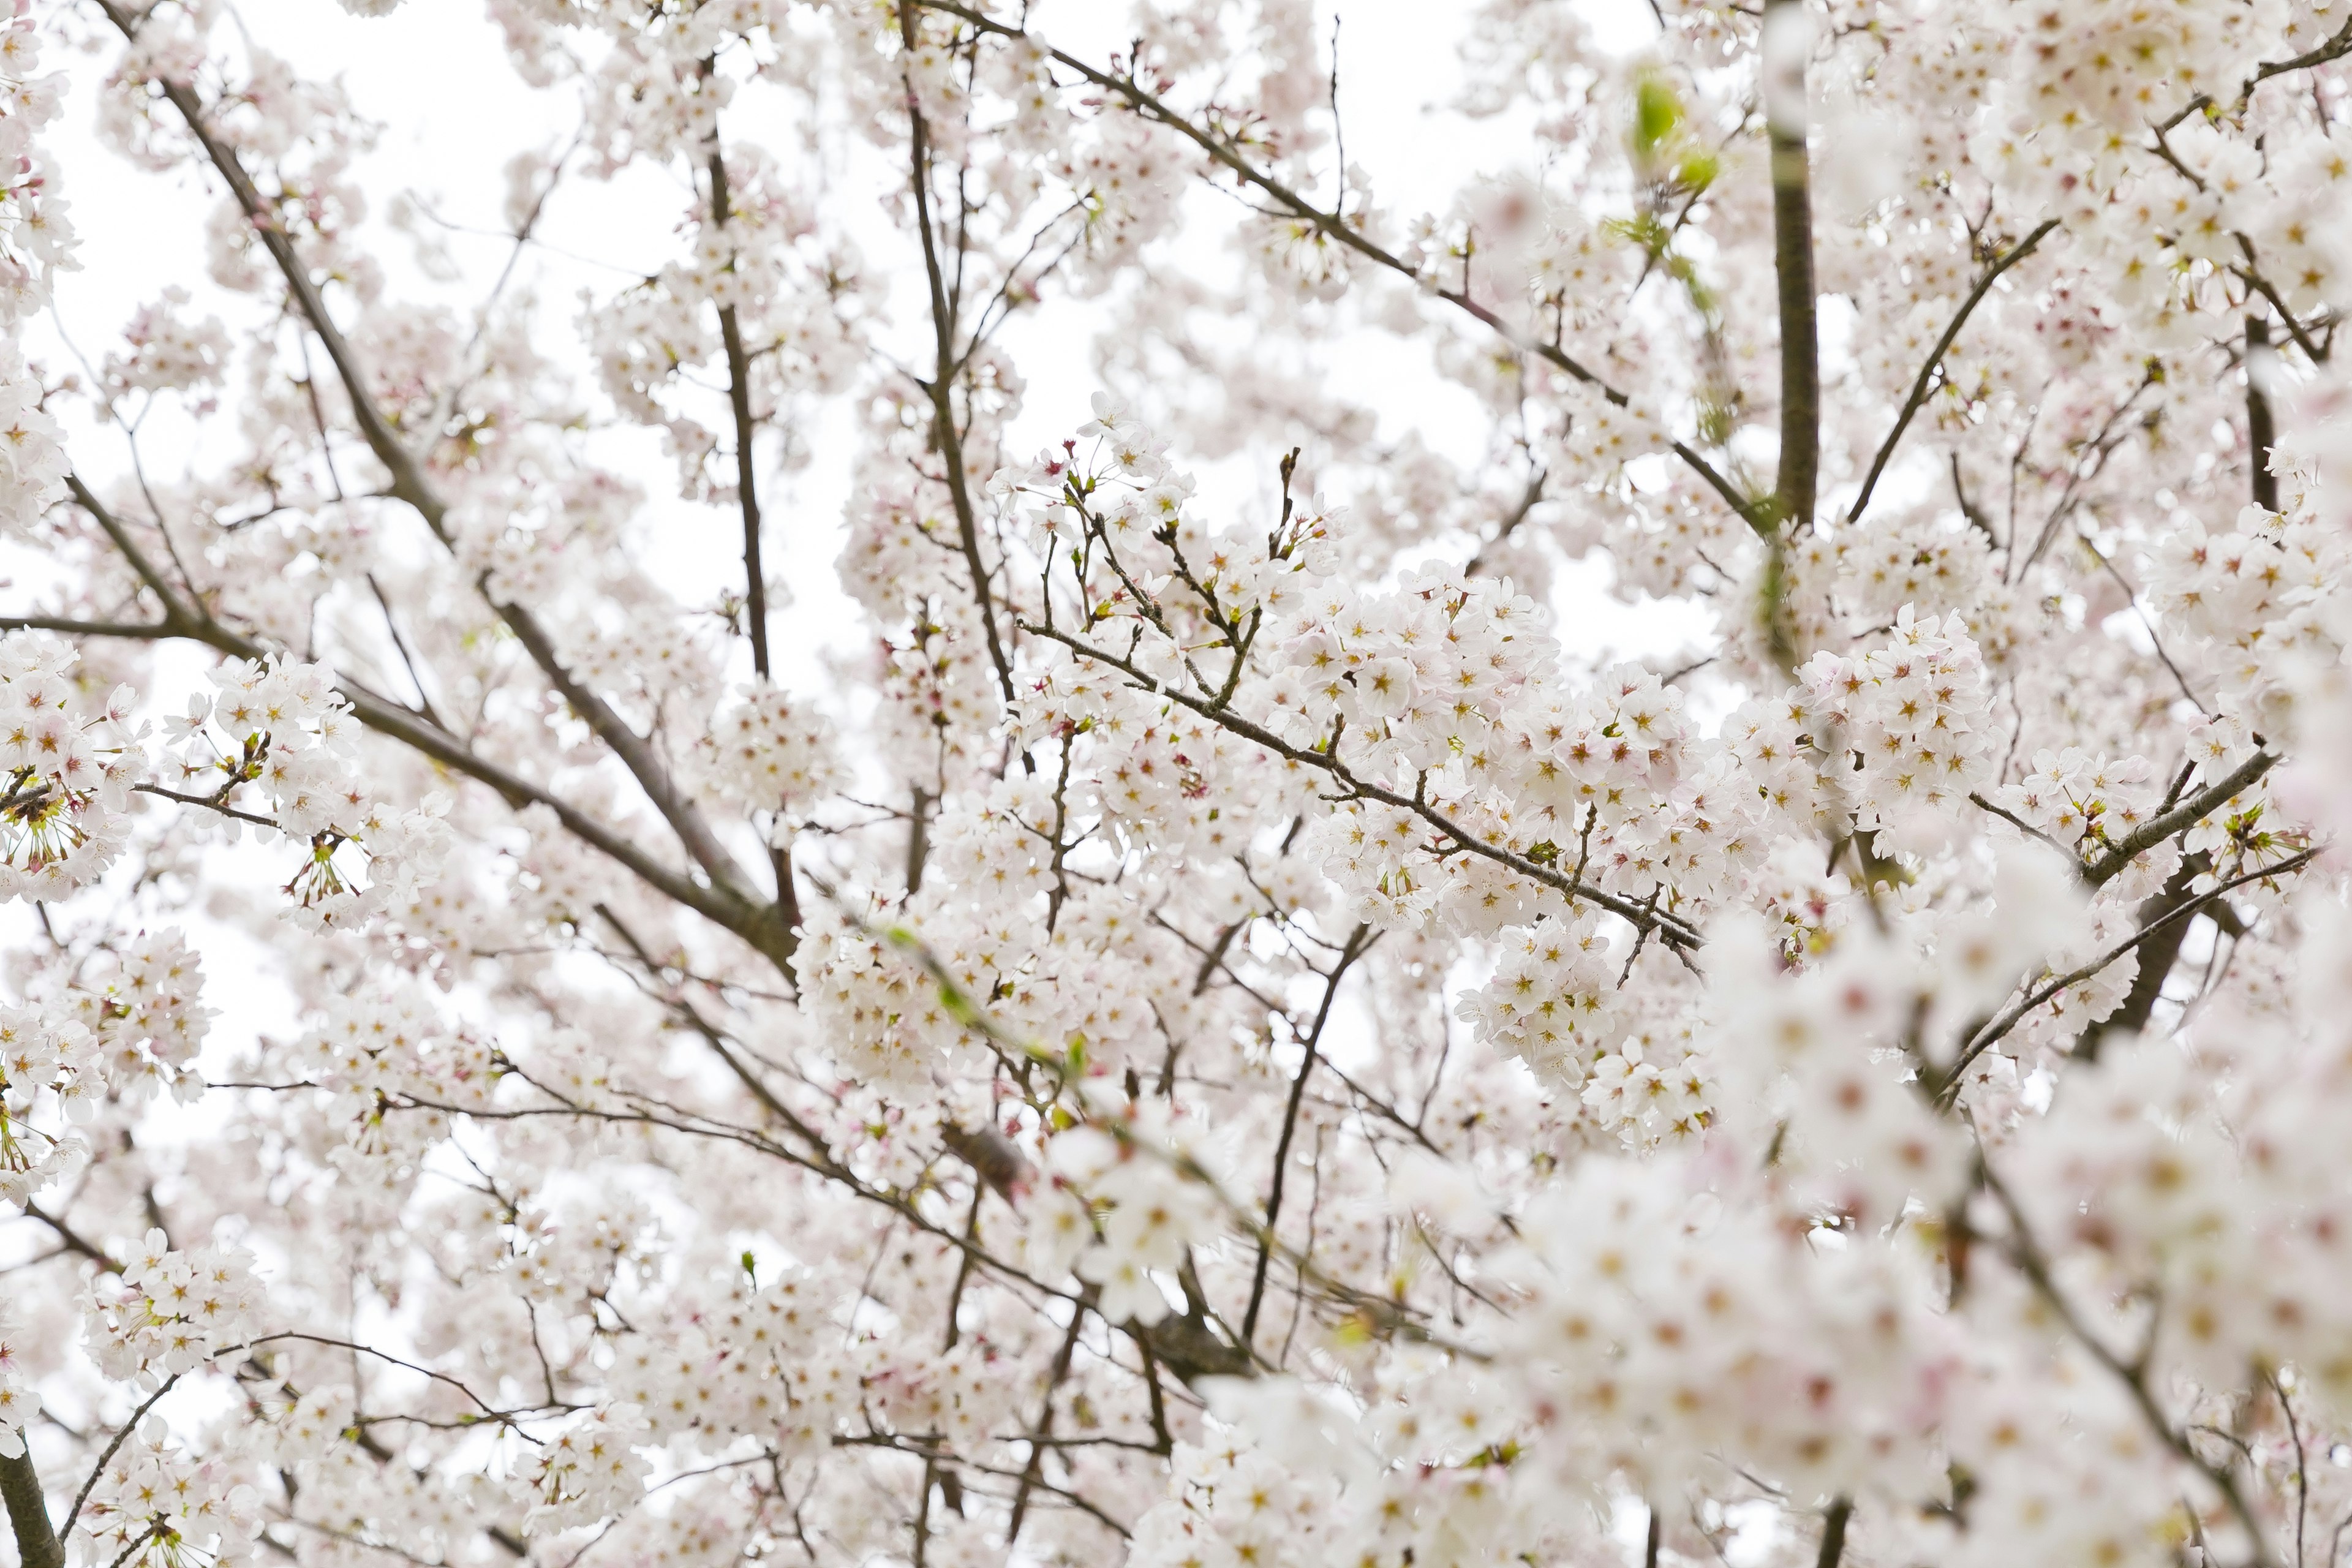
209,803
747,495
1792,257
2156,957
945,434
28,1513
2154,931
2262,431
134,631
1360,939
1921,386
2252,275
739,399
1527,499
74,1241
73,1514
2184,815
1834,1525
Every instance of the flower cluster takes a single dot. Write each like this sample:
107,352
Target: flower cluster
281,728
70,760
1597,876
170,1311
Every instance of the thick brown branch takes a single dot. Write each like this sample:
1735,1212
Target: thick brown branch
28,1513
2187,813
1792,258
2156,957
2153,932
2262,430
1834,1525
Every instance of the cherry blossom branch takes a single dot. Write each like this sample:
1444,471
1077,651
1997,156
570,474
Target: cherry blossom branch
1920,385
389,718
940,388
489,1411
2156,960
2011,1015
2251,273
2261,429
2026,1254
2334,49
209,803
28,1512
1340,229
1670,928
1834,1525
130,631
410,484
1357,942
1792,265
197,622
73,1240
738,401
2190,812
1375,1309
1982,804
694,1124
99,1468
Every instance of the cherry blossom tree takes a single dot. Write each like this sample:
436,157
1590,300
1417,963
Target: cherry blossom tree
1217,1036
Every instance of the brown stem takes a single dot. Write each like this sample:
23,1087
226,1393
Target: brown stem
945,434
1792,257
1833,1533
1920,385
2262,432
747,491
1357,942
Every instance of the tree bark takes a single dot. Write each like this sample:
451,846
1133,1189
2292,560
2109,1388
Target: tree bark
28,1512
